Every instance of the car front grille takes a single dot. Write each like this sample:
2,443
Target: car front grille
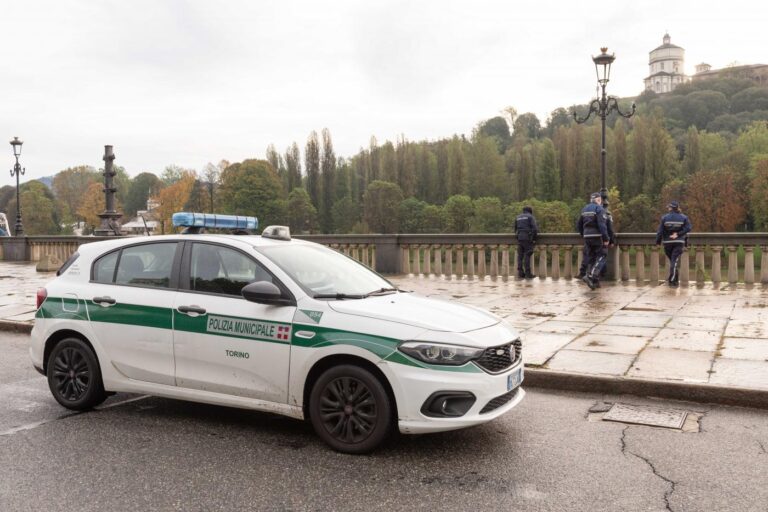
498,359
500,400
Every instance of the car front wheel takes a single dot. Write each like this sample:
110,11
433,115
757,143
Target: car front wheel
350,409
74,376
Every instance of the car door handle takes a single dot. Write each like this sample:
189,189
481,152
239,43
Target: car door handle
191,309
103,301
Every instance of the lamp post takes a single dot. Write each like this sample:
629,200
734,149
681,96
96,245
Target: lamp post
602,107
17,171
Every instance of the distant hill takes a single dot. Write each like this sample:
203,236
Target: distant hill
47,181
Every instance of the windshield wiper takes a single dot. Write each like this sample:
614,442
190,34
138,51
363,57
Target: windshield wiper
338,296
381,291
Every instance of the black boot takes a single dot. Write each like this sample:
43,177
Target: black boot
529,276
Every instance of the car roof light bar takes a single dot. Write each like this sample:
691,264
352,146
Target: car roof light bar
194,222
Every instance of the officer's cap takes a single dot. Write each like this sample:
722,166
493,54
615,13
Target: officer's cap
674,205
594,196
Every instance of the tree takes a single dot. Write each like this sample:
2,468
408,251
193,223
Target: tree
640,215
172,173
433,219
69,186
713,201
302,216
412,215
292,167
38,208
488,217
345,214
7,192
312,165
381,206
753,98
692,161
211,173
172,199
91,205
526,125
547,174
497,129
253,187
457,168
754,140
759,195
328,175
144,186
458,212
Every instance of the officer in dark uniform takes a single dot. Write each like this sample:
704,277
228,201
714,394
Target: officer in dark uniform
592,227
611,242
673,233
526,231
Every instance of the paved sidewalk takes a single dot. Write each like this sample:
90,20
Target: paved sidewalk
699,335
704,335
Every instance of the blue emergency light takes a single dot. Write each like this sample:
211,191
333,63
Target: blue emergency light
213,220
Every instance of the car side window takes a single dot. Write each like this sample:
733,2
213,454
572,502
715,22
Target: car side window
217,269
104,268
146,265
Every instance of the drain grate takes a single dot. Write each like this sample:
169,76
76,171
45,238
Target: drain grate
645,415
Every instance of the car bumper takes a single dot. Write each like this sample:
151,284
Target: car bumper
416,385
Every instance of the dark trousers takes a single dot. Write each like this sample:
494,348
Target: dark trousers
524,253
673,252
595,258
585,264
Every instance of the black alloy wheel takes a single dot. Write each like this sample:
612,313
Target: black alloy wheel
350,409
74,376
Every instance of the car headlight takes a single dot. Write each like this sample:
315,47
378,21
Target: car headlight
436,353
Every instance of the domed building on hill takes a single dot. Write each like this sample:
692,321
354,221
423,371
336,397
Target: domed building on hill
666,67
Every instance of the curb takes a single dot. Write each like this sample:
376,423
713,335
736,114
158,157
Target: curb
20,327
676,390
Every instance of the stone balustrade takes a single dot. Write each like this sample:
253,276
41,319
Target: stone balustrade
710,257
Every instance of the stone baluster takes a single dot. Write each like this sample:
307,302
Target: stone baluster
459,261
481,261
655,264
427,259
417,260
505,262
438,268
716,265
685,266
579,257
568,264
448,261
494,261
764,264
555,262
366,256
749,264
700,268
733,264
624,252
515,260
640,265
406,263
470,262
543,262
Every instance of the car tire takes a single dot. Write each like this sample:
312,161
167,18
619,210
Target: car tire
350,409
74,375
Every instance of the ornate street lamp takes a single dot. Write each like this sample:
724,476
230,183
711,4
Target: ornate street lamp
602,107
17,171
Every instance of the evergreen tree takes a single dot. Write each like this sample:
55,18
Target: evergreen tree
328,173
312,165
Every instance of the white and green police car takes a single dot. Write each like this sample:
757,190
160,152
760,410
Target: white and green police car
273,324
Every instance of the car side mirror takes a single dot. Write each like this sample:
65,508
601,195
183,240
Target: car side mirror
264,292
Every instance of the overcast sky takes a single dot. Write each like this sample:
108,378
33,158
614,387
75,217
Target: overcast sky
188,82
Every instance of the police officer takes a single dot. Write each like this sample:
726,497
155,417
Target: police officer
592,227
611,242
673,233
527,231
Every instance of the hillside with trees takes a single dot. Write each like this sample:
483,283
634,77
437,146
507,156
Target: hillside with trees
705,144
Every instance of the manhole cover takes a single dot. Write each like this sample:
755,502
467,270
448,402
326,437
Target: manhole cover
644,415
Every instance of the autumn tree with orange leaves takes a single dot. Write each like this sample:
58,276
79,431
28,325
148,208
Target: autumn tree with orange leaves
92,204
173,198
714,202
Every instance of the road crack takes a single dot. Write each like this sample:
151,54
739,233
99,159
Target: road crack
672,484
762,447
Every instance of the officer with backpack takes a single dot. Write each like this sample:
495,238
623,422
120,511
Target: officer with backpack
673,234
526,231
592,226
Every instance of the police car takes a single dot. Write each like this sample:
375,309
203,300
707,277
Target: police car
273,324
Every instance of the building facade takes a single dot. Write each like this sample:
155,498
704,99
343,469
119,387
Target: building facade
758,73
666,67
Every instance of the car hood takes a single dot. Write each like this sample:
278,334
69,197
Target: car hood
418,311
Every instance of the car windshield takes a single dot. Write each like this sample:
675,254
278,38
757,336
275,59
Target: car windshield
325,273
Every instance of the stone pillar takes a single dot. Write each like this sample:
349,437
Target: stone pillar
568,267
555,262
505,262
427,259
579,257
437,250
716,270
624,263
640,265
406,257
543,262
749,264
700,268
448,261
481,261
471,261
655,264
417,260
733,264
494,261
459,261
685,266
764,264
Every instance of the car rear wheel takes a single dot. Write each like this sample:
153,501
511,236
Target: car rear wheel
350,409
74,376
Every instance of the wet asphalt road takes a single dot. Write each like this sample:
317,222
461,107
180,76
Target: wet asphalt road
157,454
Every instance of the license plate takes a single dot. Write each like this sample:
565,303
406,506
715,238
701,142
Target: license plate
514,379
